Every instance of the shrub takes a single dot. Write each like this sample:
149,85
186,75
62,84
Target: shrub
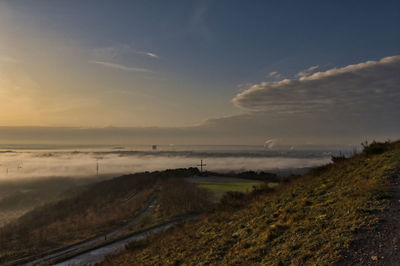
263,189
233,199
375,147
339,158
178,196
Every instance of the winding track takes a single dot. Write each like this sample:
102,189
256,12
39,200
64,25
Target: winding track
97,255
96,249
93,242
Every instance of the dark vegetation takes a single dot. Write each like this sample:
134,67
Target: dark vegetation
307,220
376,147
178,198
369,149
338,158
27,193
232,199
99,208
261,176
19,196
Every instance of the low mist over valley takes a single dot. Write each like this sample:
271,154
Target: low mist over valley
199,132
24,164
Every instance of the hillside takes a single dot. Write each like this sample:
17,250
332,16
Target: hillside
99,209
317,218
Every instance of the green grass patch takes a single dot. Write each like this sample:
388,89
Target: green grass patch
220,188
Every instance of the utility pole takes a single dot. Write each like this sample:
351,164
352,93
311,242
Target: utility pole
97,167
19,166
201,166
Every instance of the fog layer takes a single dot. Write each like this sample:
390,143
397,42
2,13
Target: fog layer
37,164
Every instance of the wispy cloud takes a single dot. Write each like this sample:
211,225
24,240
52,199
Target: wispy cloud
149,54
121,67
306,72
274,74
120,51
197,24
152,55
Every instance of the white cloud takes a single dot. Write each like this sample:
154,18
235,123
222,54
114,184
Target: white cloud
363,88
274,74
306,72
120,67
152,55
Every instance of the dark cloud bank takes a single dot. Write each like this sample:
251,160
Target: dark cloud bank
341,105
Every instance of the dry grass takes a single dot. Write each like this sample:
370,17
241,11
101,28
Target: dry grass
308,220
101,208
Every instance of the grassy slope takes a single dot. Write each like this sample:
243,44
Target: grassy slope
100,208
309,220
19,196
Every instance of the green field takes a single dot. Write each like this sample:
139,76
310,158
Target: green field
220,185
220,188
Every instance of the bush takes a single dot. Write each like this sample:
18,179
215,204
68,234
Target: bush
375,147
339,158
233,199
263,189
178,197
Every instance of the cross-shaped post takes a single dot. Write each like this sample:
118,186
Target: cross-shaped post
201,166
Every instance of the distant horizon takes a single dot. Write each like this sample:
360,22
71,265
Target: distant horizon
265,123
172,146
199,72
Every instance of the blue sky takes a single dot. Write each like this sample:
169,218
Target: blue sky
230,37
185,59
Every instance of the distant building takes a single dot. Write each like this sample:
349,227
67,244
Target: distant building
154,147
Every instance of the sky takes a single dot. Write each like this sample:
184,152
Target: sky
199,72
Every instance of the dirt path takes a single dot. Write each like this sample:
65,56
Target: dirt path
97,241
380,245
97,255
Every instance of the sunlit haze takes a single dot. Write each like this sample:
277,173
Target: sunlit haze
199,132
199,72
